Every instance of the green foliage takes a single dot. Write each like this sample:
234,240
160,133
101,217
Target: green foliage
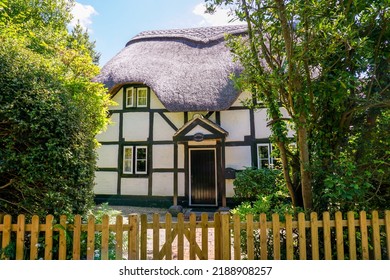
50,112
328,69
250,183
260,191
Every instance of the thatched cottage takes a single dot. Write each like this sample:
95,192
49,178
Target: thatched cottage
179,130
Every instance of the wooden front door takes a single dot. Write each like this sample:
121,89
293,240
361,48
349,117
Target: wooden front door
203,182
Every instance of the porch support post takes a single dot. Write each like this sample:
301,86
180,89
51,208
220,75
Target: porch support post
223,166
175,174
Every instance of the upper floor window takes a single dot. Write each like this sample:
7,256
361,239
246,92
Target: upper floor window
136,97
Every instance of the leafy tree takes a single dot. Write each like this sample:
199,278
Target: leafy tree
50,111
328,68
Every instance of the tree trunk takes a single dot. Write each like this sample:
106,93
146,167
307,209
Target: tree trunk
286,174
304,165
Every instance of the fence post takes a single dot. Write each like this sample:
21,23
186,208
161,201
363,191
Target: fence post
1,234
339,235
144,236
20,237
180,236
105,237
351,235
263,237
133,237
34,238
363,231
327,239
91,238
276,236
62,240
192,236
217,236
49,237
376,238
237,236
289,238
250,237
119,237
205,236
387,226
168,238
225,226
76,237
314,236
156,236
302,236
7,224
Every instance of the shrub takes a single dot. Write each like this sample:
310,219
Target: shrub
261,191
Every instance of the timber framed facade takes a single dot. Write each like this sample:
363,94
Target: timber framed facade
179,136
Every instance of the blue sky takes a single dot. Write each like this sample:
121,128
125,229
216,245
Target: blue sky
112,23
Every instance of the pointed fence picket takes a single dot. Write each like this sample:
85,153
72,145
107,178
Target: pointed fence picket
347,236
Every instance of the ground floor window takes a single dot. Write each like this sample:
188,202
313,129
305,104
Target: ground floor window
264,158
135,160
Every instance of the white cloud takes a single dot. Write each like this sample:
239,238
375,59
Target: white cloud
219,17
82,14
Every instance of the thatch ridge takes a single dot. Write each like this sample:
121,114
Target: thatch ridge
188,69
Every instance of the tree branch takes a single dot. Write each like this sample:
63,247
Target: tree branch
8,184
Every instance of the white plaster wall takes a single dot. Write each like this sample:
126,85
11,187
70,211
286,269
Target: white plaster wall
243,96
136,126
261,128
181,184
238,157
162,156
162,184
161,130
203,143
105,182
134,186
229,188
176,118
198,129
285,114
112,131
261,120
107,156
118,101
237,123
155,103
180,153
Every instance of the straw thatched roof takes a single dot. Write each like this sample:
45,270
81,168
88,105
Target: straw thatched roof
188,69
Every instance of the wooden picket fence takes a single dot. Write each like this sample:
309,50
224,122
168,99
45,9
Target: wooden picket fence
349,236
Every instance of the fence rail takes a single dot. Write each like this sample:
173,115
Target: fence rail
223,236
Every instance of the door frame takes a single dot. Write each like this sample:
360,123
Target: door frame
215,174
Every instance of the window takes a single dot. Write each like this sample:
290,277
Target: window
142,97
139,158
136,97
264,159
128,160
130,97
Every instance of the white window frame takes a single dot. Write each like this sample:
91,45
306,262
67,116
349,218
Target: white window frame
136,160
135,100
132,90
146,97
131,160
270,158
